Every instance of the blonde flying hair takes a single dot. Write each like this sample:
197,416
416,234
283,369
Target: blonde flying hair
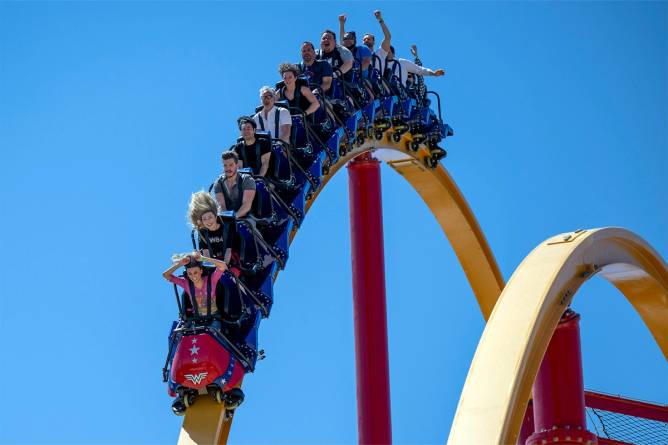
200,203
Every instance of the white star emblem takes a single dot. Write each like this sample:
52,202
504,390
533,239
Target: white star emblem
194,340
195,360
194,350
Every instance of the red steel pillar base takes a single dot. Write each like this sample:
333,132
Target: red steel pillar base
371,356
558,392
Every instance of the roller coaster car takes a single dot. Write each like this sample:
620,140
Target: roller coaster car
211,353
428,126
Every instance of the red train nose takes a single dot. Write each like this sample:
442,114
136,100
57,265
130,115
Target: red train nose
198,361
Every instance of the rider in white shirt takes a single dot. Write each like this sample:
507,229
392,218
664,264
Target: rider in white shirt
370,40
409,67
279,127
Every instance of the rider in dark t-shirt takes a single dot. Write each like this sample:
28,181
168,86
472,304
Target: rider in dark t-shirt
216,234
295,91
254,152
318,72
217,241
339,57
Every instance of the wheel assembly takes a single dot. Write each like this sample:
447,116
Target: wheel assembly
178,407
438,153
189,400
233,398
216,394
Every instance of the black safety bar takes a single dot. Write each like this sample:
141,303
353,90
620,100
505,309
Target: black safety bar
401,89
310,132
438,101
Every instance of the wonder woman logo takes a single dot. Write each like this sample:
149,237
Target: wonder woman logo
197,378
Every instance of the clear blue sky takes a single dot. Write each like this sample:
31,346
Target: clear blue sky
111,114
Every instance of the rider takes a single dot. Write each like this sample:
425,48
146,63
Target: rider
338,56
201,291
302,98
275,120
319,72
229,312
252,151
370,40
408,67
215,234
234,190
361,53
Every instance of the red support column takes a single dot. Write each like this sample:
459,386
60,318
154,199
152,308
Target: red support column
558,391
373,376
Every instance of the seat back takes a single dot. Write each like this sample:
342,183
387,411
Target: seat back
263,207
280,168
298,137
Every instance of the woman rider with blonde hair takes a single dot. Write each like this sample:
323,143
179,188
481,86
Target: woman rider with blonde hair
215,235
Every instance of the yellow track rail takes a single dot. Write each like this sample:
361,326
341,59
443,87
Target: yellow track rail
203,423
498,386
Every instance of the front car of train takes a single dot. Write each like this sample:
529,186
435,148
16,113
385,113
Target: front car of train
212,353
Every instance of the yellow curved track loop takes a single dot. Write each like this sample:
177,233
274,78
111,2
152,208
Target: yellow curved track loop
498,386
203,422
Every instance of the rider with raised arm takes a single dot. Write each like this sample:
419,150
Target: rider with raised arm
349,40
195,283
318,71
338,56
234,191
252,151
370,41
275,120
409,67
